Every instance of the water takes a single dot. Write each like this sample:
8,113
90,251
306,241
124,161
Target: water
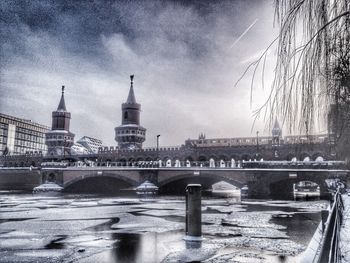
95,228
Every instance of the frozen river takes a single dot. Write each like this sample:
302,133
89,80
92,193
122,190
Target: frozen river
92,228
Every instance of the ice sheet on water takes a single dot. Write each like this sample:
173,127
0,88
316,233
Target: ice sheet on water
220,231
278,246
119,201
134,224
84,203
203,253
161,213
264,233
280,214
58,202
313,206
18,234
176,199
213,218
20,243
221,202
236,256
252,219
7,257
46,228
227,231
80,239
11,209
41,205
225,209
161,206
89,241
99,243
53,254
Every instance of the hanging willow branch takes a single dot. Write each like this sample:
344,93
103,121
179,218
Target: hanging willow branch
312,70
313,33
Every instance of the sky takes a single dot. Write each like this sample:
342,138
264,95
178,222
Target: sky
186,57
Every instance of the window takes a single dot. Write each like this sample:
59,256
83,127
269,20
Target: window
125,115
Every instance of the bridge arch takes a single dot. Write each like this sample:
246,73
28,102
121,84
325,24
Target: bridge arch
305,156
202,158
223,157
284,187
178,183
119,177
318,156
189,158
290,157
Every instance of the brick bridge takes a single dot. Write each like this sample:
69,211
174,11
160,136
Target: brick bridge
260,182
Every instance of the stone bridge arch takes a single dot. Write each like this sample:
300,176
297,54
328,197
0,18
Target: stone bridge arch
317,155
290,156
284,187
178,182
79,178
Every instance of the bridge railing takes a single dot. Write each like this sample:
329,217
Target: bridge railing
329,249
170,163
214,164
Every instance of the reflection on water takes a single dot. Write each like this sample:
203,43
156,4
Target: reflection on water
93,228
130,247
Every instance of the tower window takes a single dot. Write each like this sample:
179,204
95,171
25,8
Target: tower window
125,115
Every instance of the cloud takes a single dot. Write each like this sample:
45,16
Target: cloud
178,51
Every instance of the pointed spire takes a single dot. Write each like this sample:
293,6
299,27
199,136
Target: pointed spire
131,97
276,125
62,104
276,130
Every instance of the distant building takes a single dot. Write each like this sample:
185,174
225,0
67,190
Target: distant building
90,144
18,136
78,149
222,142
275,140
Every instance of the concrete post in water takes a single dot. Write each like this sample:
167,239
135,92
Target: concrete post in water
193,213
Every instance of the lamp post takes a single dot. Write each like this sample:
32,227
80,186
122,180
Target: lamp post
257,143
158,146
64,145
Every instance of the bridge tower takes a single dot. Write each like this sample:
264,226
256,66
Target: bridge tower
276,134
59,139
130,134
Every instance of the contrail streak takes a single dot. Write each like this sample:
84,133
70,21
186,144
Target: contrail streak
245,32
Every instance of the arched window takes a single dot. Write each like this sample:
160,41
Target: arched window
125,115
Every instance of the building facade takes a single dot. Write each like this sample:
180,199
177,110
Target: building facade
19,136
91,144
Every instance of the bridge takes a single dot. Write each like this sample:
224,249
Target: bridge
263,180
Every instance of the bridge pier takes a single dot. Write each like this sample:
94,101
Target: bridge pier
258,185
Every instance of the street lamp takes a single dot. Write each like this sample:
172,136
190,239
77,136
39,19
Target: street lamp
257,143
158,146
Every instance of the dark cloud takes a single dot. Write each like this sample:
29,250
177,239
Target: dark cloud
180,51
